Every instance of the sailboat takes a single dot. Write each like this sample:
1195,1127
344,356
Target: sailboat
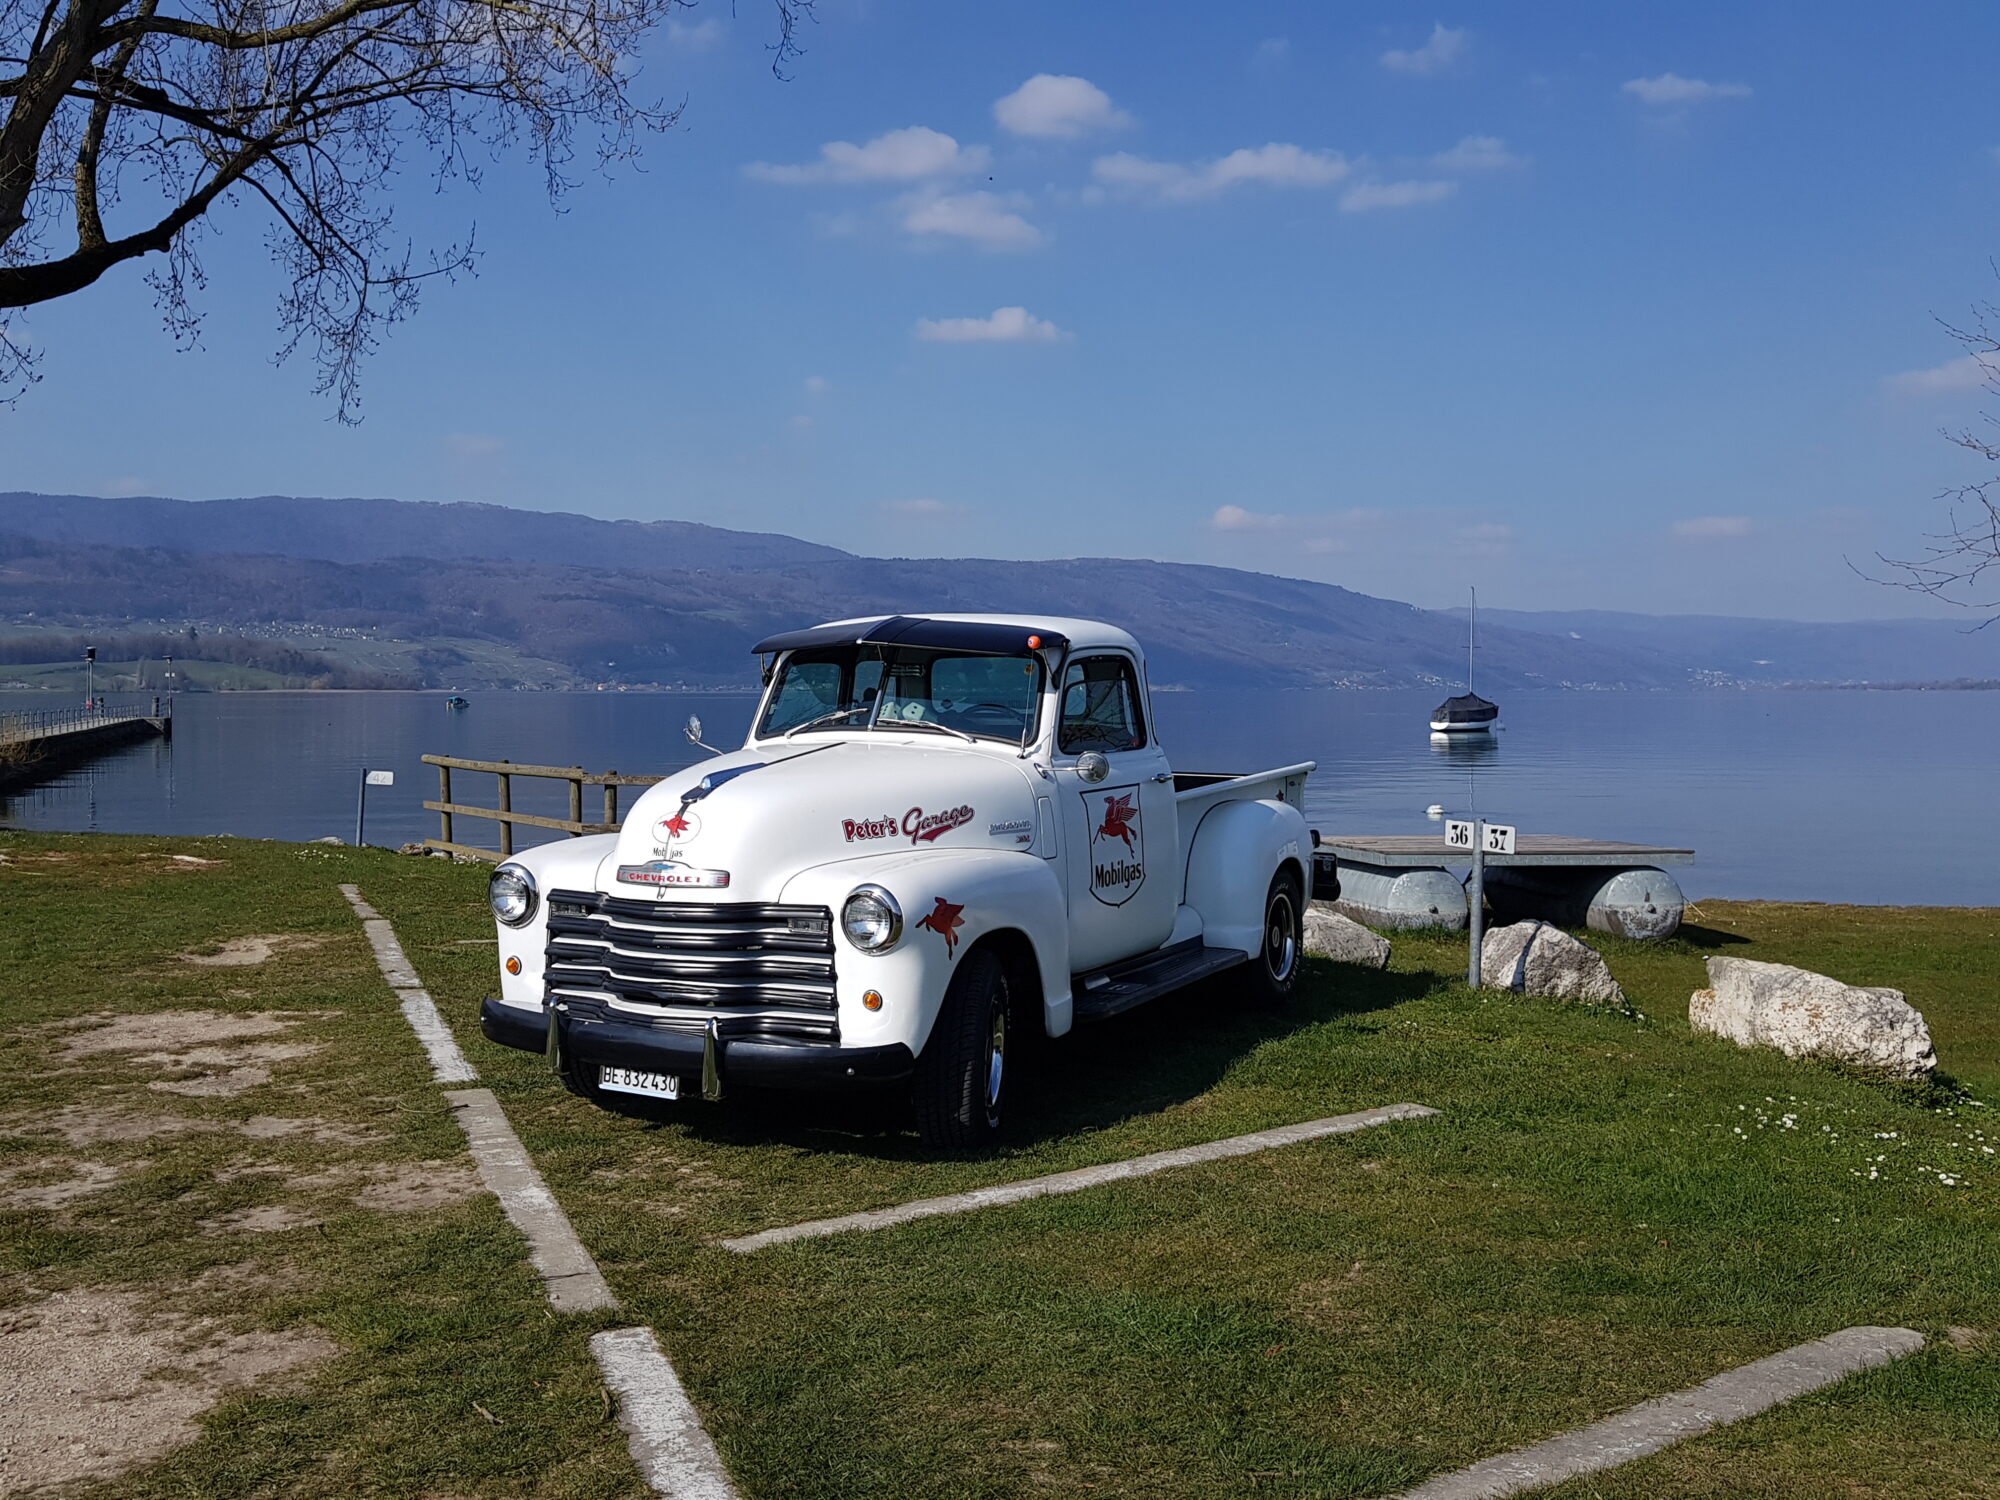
1468,713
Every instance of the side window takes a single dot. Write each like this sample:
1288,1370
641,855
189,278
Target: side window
1100,706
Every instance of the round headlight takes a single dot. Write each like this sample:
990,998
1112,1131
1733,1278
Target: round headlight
871,919
511,893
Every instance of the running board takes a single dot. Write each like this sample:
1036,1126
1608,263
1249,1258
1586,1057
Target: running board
1109,991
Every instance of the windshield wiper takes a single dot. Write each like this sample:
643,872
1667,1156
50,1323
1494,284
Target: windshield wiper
838,713
929,724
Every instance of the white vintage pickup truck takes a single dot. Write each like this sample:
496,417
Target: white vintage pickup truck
941,831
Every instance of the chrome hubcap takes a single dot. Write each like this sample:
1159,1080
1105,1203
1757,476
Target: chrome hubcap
996,1058
1281,946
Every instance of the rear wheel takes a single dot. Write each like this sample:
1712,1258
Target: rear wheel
1273,972
961,1081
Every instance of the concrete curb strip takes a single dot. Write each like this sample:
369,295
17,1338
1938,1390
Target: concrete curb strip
1083,1177
448,1064
574,1282
662,1429
1657,1424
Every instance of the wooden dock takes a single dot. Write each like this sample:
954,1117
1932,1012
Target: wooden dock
1410,880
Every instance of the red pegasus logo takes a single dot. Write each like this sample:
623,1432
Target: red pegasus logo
676,825
944,920
1118,816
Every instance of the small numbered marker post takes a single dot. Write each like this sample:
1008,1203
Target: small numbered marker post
368,778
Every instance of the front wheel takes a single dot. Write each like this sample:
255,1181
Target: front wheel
1274,969
961,1081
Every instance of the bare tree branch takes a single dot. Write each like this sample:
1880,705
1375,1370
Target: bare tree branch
306,109
1954,564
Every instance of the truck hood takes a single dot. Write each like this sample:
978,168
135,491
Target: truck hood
766,813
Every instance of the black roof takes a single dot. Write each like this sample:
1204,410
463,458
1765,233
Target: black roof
916,630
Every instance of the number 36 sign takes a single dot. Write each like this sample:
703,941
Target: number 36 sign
1493,838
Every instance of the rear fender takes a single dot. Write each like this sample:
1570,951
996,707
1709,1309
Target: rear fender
1236,849
952,900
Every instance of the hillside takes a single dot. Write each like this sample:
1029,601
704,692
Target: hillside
469,595
1202,625
354,531
1751,650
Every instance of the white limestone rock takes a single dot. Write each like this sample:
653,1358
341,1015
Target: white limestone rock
1804,1014
1342,939
1533,958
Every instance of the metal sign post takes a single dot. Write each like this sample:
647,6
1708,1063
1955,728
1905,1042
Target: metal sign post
368,778
1481,838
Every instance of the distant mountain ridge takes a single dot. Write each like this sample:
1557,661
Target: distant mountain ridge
1752,650
355,531
680,602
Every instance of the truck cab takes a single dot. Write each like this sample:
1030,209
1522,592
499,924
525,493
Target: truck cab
940,832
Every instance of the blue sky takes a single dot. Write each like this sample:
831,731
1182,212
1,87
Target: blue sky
1594,306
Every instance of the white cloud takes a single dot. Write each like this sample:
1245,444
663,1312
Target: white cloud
922,509
1055,106
473,444
1271,51
1445,47
1236,518
986,219
818,385
1671,88
1711,528
1477,153
698,36
1007,325
910,155
1966,373
1274,165
1366,197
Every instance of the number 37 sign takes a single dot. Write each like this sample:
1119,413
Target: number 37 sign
1492,838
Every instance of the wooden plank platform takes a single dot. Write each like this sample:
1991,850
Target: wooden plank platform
1430,850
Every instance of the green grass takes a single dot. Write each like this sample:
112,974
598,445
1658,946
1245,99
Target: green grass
1607,1209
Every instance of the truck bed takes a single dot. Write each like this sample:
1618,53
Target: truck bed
1195,792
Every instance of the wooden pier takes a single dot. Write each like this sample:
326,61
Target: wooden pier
1409,880
36,745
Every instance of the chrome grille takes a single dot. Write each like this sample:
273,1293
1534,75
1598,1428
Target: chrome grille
726,956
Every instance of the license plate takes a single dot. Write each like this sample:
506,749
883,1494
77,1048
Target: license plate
632,1081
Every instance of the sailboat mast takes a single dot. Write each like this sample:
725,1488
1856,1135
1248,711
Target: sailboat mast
1471,635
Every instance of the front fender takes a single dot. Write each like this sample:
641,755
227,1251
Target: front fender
1236,849
951,900
569,865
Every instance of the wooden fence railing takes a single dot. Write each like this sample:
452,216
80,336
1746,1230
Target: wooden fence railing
506,770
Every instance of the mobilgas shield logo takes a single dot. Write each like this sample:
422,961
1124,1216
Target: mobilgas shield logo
1117,843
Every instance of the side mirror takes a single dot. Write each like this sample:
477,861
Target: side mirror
1092,767
694,728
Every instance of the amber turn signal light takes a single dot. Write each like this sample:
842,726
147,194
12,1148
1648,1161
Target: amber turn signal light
513,966
873,999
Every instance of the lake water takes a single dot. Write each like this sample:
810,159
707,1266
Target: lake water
1879,797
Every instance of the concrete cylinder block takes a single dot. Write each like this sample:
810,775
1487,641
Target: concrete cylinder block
1401,898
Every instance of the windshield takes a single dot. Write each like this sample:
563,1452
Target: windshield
862,689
